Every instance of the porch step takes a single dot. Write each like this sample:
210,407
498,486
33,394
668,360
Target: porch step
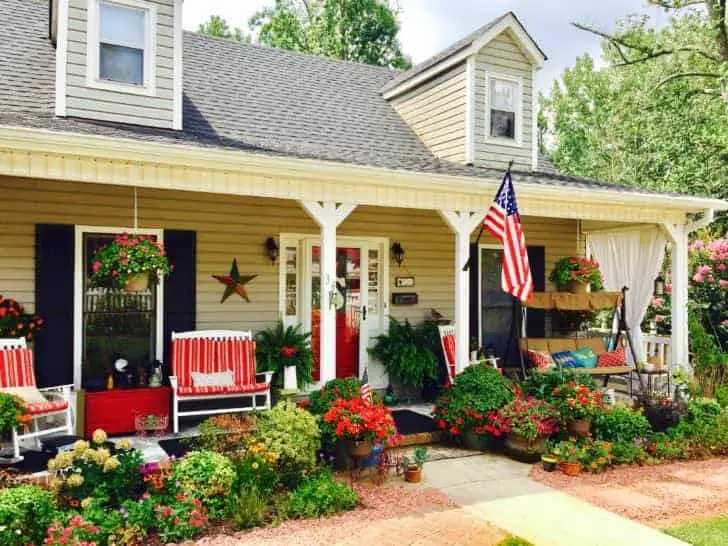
421,438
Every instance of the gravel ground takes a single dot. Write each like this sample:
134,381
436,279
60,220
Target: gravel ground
393,513
659,496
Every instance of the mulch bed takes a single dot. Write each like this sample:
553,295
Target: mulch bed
659,496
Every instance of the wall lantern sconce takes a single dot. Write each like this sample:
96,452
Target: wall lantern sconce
398,253
659,286
272,249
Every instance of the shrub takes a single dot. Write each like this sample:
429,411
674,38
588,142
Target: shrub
13,412
292,434
661,412
256,469
596,456
226,433
280,347
92,472
514,541
526,417
359,419
721,396
475,393
542,385
182,519
127,526
26,511
628,452
207,476
404,353
74,530
619,424
248,509
321,400
321,496
710,362
663,447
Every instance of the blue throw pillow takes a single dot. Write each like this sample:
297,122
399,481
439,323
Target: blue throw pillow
565,359
586,357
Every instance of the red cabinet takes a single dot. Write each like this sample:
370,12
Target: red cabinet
114,411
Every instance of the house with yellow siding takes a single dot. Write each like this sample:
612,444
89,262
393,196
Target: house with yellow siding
306,171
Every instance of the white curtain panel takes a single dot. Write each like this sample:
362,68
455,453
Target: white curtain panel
632,259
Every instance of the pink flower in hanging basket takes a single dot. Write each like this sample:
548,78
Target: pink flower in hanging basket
288,351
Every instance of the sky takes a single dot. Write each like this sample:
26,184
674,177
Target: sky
431,25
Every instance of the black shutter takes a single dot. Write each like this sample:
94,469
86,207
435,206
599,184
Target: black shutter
180,288
474,291
536,318
54,262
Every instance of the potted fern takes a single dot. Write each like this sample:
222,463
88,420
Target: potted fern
282,347
403,352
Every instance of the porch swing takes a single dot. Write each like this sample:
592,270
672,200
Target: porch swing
612,360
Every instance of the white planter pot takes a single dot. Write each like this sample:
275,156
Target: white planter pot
290,382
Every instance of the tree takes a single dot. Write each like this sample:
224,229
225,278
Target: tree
617,123
706,47
356,30
218,27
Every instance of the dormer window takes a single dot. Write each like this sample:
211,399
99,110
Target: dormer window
503,109
121,44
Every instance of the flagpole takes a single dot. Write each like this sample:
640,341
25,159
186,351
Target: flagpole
466,267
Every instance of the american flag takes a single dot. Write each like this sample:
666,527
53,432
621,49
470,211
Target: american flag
366,388
504,223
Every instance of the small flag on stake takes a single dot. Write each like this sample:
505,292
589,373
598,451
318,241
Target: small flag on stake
366,388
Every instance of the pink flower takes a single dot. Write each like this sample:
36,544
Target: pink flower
705,269
658,302
723,283
659,318
96,266
698,277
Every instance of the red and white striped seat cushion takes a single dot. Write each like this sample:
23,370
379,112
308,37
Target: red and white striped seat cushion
47,407
16,368
234,389
212,356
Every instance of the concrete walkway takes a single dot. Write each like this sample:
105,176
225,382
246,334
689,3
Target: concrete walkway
499,491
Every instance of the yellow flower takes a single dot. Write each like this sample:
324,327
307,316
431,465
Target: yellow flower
255,466
112,463
101,456
85,503
99,436
80,447
74,480
51,465
124,445
64,460
56,484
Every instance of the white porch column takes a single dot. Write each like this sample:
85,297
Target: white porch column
462,224
328,215
679,275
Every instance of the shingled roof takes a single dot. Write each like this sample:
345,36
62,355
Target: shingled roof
245,97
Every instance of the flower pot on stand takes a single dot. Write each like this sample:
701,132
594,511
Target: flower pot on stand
579,427
525,449
137,283
413,474
570,469
574,287
359,448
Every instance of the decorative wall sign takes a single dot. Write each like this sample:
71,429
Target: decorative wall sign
404,282
234,282
405,298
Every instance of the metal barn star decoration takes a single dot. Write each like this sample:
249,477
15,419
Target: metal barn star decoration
235,283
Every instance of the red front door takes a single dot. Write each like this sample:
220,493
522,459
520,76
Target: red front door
348,308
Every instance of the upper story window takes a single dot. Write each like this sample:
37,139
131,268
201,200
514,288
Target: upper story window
504,109
121,41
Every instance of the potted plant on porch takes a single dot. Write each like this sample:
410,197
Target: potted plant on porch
132,262
575,274
577,404
413,467
528,423
361,425
569,455
15,322
282,347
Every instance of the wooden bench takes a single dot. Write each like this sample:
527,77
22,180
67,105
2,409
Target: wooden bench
200,353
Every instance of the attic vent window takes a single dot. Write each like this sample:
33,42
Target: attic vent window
121,46
122,41
504,109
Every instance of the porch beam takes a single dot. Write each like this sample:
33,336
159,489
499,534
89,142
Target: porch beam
328,215
679,274
462,224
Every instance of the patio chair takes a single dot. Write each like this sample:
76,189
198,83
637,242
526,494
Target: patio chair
447,340
212,365
18,377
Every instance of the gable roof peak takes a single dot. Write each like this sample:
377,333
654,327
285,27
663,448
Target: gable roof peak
463,48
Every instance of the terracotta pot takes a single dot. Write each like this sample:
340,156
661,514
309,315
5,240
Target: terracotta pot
574,287
359,448
570,469
579,427
413,474
137,283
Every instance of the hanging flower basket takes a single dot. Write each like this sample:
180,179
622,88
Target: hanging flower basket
130,262
574,274
574,287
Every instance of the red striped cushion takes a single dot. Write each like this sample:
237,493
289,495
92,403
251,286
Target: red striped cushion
16,368
47,407
211,356
235,389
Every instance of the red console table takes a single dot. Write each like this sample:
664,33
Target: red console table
115,410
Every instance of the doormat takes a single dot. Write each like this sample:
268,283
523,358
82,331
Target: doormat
178,447
410,422
34,461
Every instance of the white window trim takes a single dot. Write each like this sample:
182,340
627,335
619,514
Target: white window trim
78,273
93,37
517,142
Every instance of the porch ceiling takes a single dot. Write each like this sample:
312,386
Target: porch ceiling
53,155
